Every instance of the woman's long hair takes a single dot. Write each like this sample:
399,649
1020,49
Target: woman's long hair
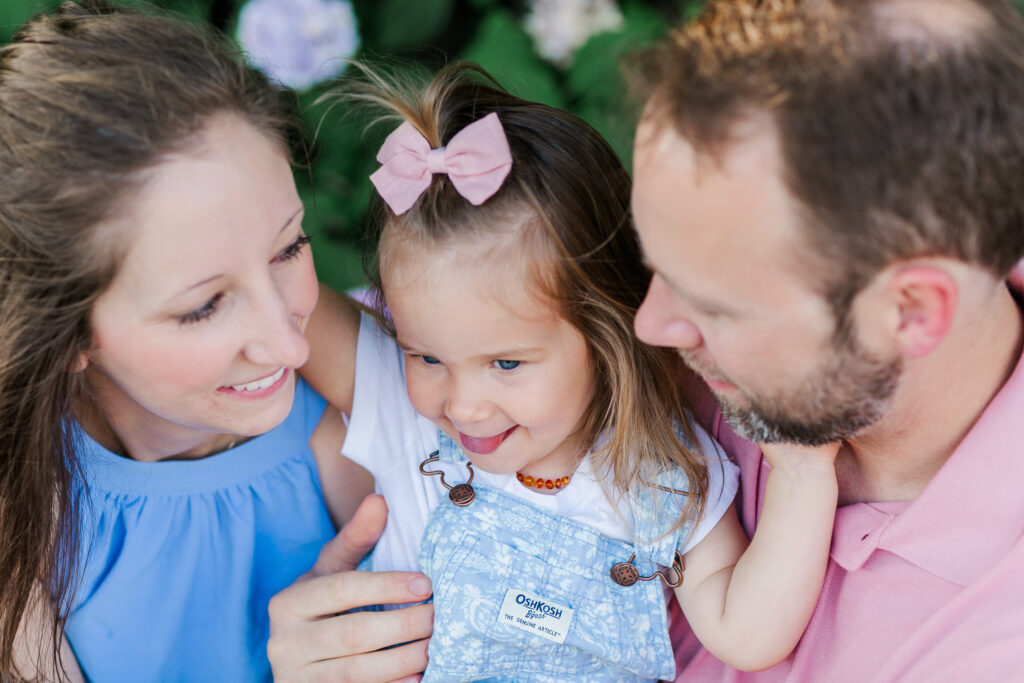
90,97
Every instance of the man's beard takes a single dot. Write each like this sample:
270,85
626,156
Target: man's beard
848,392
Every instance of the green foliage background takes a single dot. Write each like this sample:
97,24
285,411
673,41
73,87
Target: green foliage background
489,32
431,32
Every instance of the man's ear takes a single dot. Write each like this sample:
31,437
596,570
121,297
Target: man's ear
925,299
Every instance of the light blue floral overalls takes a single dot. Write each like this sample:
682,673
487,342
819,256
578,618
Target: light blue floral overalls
521,594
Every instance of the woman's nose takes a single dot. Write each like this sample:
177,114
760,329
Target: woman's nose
277,338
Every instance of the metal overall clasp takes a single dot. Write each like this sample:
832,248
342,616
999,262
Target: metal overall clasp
626,573
460,494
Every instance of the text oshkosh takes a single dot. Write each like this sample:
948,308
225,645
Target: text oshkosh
538,607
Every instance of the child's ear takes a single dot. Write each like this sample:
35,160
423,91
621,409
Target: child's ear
924,297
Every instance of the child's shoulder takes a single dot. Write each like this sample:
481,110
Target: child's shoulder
694,437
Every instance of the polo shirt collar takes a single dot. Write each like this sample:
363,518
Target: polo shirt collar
973,507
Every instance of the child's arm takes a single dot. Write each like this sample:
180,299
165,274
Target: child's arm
749,604
332,332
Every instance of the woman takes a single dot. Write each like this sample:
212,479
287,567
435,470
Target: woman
162,472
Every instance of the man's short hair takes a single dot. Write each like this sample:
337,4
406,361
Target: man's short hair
901,122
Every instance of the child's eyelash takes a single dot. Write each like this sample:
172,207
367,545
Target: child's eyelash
201,313
294,249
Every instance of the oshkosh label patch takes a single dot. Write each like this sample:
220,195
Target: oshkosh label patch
535,614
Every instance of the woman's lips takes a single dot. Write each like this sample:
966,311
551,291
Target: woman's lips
484,445
260,388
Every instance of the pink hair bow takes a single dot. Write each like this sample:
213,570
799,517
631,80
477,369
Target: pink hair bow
477,160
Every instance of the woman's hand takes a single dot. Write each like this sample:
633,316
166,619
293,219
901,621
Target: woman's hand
310,638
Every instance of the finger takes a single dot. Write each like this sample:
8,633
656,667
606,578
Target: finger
333,593
1017,276
360,632
400,663
349,547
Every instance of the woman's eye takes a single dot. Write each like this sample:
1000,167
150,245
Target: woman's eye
507,364
294,249
201,313
430,360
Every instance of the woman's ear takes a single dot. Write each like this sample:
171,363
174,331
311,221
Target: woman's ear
78,362
925,298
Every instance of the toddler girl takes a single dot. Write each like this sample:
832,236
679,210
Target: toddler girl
531,449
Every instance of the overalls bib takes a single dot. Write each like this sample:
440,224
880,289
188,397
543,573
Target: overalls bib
521,594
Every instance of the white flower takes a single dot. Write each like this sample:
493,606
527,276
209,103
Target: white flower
559,27
298,42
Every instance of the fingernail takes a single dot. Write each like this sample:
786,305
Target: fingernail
420,586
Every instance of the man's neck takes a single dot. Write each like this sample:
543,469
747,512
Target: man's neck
937,404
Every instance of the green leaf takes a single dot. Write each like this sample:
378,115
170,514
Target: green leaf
335,213
501,46
596,69
339,266
691,8
596,82
14,13
615,124
407,23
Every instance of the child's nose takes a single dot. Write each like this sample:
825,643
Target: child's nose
466,403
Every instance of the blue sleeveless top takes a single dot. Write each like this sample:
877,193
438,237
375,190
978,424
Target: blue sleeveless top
181,558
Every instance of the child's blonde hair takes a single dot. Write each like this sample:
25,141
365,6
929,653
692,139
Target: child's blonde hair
585,257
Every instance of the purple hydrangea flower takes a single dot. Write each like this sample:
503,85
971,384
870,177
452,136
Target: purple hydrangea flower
298,42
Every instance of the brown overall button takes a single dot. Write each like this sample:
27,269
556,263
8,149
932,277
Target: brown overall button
624,573
462,494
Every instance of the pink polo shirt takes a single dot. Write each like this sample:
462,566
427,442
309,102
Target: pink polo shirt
927,590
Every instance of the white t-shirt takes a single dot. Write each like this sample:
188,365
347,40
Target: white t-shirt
390,439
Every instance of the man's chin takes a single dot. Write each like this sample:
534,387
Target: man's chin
753,426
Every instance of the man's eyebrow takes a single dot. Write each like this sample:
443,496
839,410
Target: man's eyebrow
214,277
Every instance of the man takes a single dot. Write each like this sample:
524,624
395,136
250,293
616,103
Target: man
831,198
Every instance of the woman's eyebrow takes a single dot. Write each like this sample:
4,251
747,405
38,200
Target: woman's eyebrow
195,285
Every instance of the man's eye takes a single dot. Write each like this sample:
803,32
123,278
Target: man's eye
507,364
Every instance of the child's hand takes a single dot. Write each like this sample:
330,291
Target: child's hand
796,457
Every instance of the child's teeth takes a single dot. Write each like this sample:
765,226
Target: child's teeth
260,383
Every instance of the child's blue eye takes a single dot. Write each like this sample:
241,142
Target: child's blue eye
430,360
507,364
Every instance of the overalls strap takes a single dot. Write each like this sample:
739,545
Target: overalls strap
656,510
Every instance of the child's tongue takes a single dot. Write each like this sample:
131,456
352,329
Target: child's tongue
483,444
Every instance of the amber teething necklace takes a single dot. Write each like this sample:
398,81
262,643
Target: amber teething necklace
540,483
